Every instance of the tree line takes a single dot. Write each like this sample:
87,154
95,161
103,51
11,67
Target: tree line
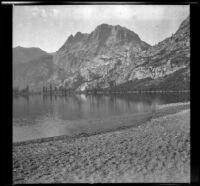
17,91
51,90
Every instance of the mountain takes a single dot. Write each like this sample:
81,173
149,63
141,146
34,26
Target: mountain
24,55
86,60
166,66
114,58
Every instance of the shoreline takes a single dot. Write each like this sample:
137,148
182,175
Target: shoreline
160,111
99,92
155,151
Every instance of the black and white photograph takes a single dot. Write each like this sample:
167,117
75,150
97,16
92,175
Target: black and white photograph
101,93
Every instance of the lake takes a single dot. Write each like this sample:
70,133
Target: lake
38,116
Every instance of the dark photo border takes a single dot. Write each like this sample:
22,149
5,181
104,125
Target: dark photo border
6,78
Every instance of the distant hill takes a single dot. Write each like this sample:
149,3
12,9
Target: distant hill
35,73
24,55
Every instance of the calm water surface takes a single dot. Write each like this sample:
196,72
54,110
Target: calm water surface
38,116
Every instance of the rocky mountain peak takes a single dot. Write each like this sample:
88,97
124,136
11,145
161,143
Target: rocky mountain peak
117,32
79,37
103,35
70,39
103,26
104,40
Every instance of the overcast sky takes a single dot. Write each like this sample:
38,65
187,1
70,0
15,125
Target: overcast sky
48,27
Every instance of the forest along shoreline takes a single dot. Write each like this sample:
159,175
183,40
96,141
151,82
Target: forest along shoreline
157,150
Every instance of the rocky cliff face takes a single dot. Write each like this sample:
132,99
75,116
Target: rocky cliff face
164,59
113,57
86,60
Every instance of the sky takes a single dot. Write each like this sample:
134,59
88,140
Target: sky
48,27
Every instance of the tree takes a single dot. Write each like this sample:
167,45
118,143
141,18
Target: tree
15,90
112,83
27,89
50,88
44,89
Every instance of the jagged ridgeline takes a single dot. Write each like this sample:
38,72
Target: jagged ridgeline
110,58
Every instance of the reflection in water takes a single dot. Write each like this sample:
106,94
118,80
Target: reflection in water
42,116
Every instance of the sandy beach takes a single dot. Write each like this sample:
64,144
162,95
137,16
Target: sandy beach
157,150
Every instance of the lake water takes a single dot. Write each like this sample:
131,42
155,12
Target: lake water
37,116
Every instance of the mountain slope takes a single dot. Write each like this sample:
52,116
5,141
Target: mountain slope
24,55
112,58
113,55
167,65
